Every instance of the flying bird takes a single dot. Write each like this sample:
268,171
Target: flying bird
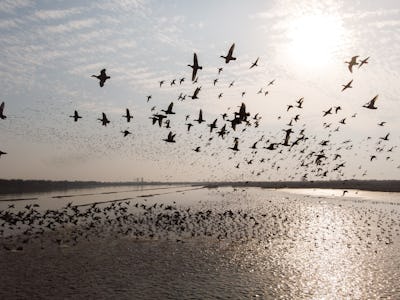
196,93
170,138
169,109
254,64
229,57
104,120
195,67
235,146
200,118
363,62
371,104
128,116
2,116
102,77
126,133
2,153
352,63
347,85
213,125
75,116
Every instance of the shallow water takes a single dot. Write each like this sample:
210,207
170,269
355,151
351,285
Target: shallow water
224,243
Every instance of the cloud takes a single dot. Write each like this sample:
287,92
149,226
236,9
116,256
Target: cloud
9,6
72,26
55,14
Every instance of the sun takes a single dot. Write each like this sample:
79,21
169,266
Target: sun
314,39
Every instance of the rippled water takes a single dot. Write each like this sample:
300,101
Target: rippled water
223,243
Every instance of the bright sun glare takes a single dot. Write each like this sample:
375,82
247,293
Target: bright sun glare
314,39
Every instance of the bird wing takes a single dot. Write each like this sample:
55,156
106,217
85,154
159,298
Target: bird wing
1,107
350,67
195,62
103,72
231,49
374,99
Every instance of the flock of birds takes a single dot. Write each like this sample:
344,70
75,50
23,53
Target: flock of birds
236,217
321,158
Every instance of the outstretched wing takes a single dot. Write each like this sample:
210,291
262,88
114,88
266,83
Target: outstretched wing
195,62
103,72
1,107
231,49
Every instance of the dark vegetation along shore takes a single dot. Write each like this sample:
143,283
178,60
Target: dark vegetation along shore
36,186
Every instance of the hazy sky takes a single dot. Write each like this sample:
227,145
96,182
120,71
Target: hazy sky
49,50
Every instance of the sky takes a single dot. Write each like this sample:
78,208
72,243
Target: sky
50,49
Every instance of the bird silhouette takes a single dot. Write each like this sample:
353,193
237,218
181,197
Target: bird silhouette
169,109
213,125
200,118
128,116
363,62
126,133
170,138
371,104
352,63
76,116
229,56
235,145
287,137
2,153
254,64
2,116
195,67
385,138
102,77
104,120
347,85
327,112
196,93
271,82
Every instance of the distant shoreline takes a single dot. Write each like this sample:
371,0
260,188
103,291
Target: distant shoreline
366,185
15,186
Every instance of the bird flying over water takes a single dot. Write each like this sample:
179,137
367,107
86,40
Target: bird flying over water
104,120
2,116
170,138
126,133
200,118
75,116
102,77
195,67
128,116
229,56
235,146
169,109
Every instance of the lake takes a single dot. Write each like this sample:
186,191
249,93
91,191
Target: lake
190,242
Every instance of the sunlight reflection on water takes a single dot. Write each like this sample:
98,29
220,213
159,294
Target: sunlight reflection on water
277,245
